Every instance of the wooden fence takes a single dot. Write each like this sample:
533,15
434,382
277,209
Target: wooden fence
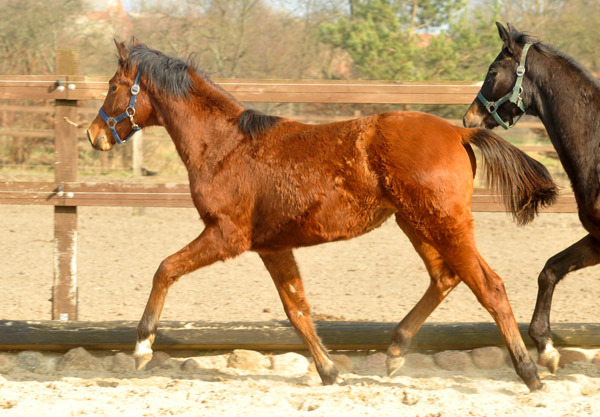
65,193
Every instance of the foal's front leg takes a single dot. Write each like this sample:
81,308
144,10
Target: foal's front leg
286,276
211,246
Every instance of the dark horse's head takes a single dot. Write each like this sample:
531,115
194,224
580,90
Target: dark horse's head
127,106
505,94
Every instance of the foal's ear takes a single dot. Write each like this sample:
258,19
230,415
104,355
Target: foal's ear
505,36
122,50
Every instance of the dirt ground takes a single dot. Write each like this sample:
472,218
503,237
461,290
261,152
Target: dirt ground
376,277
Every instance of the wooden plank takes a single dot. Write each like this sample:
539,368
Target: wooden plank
481,202
176,195
28,133
276,91
313,118
41,87
272,335
95,194
64,290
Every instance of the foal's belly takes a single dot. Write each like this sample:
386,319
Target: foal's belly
323,224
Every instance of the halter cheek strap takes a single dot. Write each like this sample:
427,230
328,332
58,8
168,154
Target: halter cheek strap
513,96
128,113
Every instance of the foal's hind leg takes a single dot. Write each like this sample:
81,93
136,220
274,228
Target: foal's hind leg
284,271
443,280
582,254
489,290
209,247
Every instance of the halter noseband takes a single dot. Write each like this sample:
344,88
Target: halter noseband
128,113
513,96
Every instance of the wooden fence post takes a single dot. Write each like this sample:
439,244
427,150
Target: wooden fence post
138,163
64,290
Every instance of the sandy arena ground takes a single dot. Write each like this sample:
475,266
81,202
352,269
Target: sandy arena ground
376,277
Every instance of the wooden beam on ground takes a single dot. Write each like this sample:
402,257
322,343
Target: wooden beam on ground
272,335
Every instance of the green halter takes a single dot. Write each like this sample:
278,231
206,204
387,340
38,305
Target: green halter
513,96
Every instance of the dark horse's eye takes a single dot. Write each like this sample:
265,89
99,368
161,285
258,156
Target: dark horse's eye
113,88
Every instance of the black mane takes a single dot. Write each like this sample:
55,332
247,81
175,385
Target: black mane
171,76
254,122
522,38
166,73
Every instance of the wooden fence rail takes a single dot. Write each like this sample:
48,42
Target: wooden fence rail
66,193
259,91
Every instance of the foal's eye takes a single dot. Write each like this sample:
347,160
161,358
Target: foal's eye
113,88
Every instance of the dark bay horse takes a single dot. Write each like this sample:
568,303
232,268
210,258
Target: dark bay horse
270,185
566,98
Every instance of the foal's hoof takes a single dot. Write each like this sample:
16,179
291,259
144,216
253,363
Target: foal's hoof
328,373
549,358
394,364
330,378
141,360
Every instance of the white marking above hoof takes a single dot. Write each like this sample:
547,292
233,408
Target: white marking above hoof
142,348
549,358
142,353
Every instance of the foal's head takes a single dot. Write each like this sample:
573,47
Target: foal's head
503,96
127,107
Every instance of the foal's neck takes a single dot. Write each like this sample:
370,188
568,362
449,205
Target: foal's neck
203,127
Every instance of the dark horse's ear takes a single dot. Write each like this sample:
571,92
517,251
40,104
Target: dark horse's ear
505,36
134,41
123,50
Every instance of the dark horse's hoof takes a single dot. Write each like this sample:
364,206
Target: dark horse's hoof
535,385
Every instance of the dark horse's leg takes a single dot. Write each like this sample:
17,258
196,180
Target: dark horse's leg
443,280
582,254
209,247
284,271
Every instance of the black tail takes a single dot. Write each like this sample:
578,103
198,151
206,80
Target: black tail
525,184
